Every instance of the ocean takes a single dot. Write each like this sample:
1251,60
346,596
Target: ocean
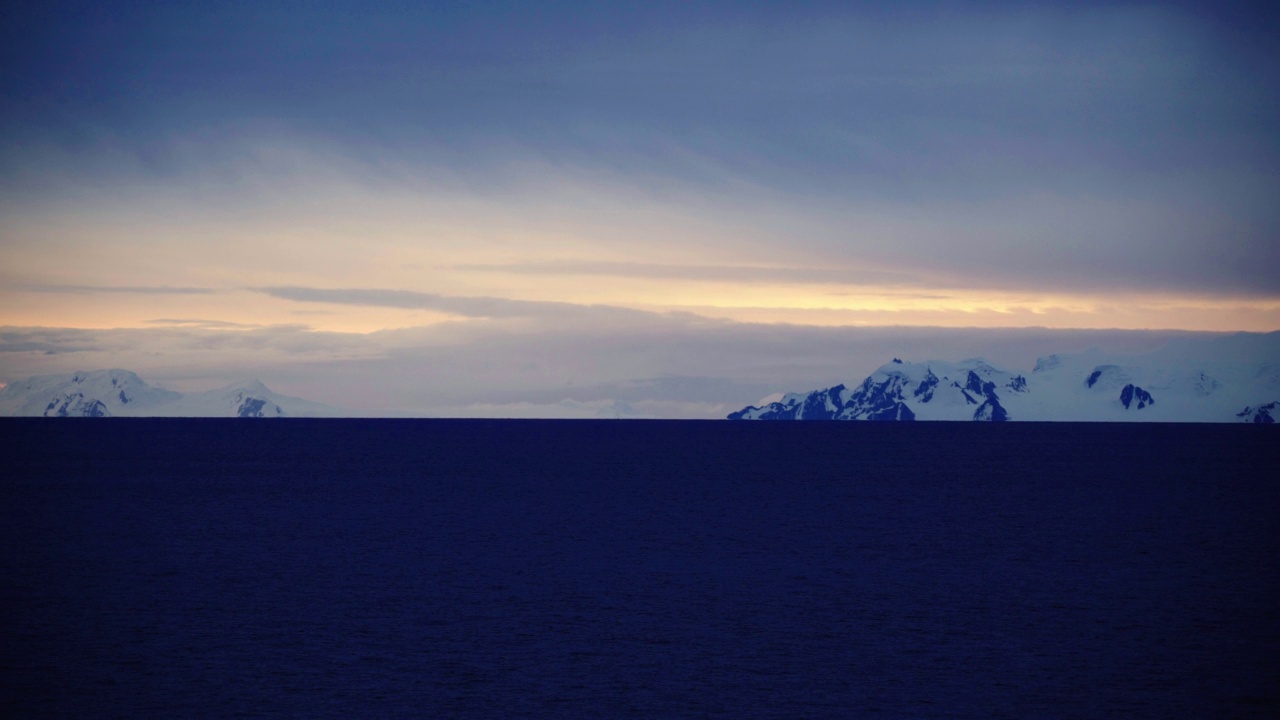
651,569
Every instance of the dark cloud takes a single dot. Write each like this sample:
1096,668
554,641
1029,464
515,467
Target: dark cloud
1052,146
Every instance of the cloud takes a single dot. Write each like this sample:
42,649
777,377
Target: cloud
214,351
1086,149
469,307
112,289
47,341
407,299
205,324
740,274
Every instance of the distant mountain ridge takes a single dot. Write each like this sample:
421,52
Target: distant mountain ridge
1183,383
121,393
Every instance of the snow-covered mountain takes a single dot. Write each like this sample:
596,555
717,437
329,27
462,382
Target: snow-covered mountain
1184,382
107,393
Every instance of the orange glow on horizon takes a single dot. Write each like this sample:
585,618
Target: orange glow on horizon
245,309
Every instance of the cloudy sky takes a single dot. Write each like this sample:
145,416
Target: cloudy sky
568,208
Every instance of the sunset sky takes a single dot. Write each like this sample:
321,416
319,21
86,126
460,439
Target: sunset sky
559,208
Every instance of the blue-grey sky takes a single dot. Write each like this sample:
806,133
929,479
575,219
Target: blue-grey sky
482,170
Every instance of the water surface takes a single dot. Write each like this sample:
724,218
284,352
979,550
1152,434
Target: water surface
398,568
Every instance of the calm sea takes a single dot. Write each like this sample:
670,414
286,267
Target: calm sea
420,568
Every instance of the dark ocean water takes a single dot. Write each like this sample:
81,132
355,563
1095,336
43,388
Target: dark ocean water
215,568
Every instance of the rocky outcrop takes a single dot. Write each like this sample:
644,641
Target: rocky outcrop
1135,398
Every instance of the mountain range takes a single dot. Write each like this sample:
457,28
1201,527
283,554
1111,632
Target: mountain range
1225,379
107,393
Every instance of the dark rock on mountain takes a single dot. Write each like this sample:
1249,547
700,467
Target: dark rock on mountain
75,405
1133,395
899,391
1261,415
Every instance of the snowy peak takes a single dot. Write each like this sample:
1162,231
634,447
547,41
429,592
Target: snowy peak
107,393
251,399
1186,382
881,397
899,390
98,393
935,390
252,387
817,405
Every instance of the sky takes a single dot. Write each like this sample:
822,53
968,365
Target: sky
667,209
